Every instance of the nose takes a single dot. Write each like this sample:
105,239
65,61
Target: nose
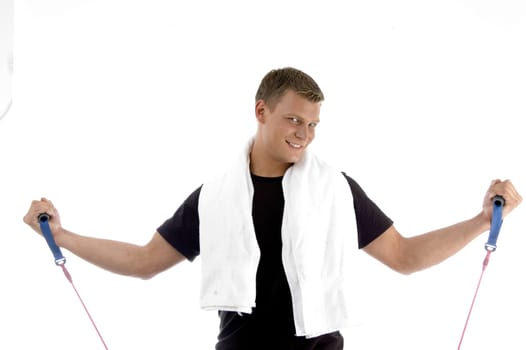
302,132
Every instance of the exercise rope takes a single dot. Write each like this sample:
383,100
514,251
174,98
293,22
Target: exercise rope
43,220
490,246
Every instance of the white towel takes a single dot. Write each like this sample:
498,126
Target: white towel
318,227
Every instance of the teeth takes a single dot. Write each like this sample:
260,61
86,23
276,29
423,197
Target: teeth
294,145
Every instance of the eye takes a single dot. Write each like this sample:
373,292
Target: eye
313,125
294,120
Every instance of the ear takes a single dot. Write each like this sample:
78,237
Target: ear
260,110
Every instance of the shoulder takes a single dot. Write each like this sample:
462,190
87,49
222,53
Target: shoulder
356,189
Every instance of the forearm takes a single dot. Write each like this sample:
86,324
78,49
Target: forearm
117,257
432,248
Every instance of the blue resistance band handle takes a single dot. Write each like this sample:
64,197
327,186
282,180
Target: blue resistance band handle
43,220
496,223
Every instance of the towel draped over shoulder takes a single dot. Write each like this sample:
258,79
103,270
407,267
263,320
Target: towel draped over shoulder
317,231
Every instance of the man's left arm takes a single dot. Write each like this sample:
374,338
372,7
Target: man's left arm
411,254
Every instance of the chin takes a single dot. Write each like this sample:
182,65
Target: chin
294,159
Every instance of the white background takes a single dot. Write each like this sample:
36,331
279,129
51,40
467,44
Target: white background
122,108
6,55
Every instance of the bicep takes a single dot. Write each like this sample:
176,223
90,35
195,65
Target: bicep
387,248
160,255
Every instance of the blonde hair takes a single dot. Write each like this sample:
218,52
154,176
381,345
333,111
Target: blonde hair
278,81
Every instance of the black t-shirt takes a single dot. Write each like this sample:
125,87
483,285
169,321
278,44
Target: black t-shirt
271,323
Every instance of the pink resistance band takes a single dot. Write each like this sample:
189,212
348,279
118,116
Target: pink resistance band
491,246
43,220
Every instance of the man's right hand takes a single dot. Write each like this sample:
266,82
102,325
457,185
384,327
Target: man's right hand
39,207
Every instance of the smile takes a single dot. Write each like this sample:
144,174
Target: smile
294,145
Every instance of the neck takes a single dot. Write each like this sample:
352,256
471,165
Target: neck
261,164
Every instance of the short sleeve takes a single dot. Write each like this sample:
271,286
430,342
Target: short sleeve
371,221
182,229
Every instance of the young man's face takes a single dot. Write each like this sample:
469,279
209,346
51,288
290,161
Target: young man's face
287,129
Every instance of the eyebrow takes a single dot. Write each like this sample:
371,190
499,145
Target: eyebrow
288,115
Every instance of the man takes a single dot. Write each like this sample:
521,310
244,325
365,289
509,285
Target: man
272,231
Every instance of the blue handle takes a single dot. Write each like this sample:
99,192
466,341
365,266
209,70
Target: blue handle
496,223
43,219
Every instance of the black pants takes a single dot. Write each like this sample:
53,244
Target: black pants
331,341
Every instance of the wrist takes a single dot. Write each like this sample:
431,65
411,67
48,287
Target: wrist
481,222
60,234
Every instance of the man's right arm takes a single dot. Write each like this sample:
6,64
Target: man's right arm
118,257
123,258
